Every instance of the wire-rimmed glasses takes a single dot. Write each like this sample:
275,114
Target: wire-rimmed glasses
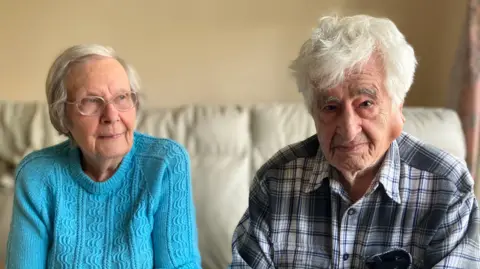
94,105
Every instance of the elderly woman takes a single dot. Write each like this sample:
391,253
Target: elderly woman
109,196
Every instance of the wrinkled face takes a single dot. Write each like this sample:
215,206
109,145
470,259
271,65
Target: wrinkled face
355,120
109,133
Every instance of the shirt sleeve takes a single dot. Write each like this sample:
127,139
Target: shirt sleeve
175,238
251,245
457,241
28,238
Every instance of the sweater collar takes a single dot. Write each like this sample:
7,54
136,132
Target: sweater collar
110,185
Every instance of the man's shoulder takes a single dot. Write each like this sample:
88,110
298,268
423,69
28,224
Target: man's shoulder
290,155
439,164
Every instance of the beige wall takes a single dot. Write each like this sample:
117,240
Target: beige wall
211,51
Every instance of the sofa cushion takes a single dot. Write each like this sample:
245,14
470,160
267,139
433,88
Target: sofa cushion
437,126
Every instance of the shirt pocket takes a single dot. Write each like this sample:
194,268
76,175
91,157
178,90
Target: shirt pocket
288,256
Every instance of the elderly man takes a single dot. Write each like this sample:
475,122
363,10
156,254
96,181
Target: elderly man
361,193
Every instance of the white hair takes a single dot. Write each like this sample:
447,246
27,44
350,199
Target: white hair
344,43
55,87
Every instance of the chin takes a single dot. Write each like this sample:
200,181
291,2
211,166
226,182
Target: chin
111,154
113,150
351,162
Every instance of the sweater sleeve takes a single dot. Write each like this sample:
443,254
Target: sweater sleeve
28,239
175,239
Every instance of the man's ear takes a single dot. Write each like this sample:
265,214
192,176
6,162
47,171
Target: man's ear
400,109
396,121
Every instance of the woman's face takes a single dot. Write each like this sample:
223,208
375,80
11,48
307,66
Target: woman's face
107,134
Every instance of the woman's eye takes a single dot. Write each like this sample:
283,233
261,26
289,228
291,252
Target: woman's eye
92,100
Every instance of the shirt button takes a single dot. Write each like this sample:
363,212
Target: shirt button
345,257
351,211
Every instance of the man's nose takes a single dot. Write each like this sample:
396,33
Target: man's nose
348,126
110,114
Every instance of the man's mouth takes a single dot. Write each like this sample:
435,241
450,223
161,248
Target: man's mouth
351,147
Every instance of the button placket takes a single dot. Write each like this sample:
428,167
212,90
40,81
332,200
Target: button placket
349,229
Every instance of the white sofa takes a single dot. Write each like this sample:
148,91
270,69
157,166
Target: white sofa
226,143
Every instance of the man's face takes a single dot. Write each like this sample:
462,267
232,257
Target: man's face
355,120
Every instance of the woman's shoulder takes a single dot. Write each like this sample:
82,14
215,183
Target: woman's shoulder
158,148
41,159
156,156
37,169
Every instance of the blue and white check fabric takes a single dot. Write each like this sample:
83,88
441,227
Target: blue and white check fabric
299,216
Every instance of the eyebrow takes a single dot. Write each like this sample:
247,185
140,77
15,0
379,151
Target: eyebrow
364,91
328,99
325,99
94,92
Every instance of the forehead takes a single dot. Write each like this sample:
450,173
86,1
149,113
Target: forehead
365,79
97,76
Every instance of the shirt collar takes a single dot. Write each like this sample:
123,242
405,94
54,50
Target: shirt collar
320,171
388,175
389,172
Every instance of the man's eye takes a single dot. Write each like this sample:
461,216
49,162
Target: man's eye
366,104
329,108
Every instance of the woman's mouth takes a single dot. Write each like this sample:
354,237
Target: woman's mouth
109,136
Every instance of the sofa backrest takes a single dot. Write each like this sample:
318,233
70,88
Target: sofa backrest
227,144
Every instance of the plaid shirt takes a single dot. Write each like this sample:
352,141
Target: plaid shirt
299,216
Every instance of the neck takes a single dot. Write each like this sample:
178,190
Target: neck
99,169
358,183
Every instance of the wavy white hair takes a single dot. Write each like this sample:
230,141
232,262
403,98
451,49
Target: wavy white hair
344,43
55,88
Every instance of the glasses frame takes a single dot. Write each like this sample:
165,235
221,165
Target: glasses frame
77,104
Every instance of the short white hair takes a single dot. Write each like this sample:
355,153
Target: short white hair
344,43
56,89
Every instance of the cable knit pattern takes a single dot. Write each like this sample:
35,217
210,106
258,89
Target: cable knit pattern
67,222
122,211
142,217
178,167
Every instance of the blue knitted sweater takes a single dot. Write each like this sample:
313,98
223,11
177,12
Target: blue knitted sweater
142,217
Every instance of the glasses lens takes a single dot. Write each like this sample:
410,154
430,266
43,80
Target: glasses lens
125,101
90,105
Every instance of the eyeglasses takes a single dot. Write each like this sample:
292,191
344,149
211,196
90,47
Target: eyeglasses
94,105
